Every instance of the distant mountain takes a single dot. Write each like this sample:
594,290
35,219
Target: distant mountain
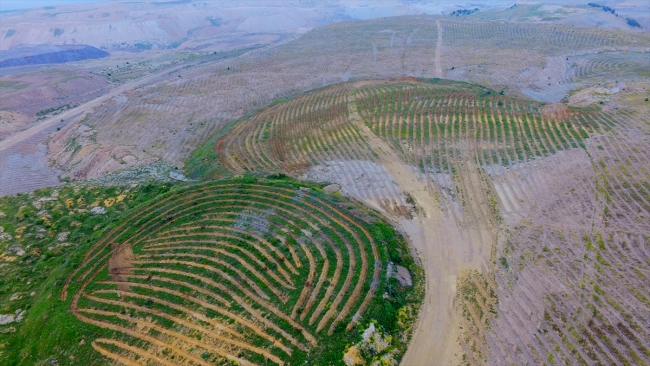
49,54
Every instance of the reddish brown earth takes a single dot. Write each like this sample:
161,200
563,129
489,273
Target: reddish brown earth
120,265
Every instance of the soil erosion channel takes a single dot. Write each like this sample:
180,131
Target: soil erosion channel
444,253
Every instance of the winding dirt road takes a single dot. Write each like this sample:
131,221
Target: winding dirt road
443,253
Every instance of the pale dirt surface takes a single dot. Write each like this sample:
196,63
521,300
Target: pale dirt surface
525,65
24,155
179,24
439,73
33,93
167,121
357,178
574,234
443,252
145,25
23,167
591,95
170,119
83,108
512,243
10,122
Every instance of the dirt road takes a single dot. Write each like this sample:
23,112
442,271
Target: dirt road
439,51
442,251
86,107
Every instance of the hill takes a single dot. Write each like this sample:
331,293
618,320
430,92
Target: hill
244,270
536,212
169,119
509,147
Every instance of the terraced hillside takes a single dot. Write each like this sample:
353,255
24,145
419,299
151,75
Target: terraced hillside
246,272
531,215
166,121
433,126
524,197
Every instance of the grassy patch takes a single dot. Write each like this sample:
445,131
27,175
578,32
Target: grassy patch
258,210
46,234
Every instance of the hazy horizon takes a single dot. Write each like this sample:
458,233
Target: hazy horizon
27,4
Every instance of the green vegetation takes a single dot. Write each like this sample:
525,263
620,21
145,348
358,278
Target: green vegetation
142,46
436,113
461,12
215,21
204,162
13,85
44,235
305,259
504,263
55,110
632,23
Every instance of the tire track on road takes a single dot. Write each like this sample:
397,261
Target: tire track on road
441,249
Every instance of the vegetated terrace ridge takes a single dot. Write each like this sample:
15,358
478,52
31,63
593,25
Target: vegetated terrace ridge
543,208
255,272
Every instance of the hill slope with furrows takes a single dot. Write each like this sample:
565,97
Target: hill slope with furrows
513,156
245,271
544,204
168,120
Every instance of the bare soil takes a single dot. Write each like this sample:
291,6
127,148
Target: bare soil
120,265
443,253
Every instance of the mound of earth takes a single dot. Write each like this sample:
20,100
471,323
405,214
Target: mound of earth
247,271
49,54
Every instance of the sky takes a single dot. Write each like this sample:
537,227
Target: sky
24,4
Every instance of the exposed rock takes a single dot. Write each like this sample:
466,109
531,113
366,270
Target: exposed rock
17,316
98,210
63,236
7,319
332,188
401,273
16,249
177,175
307,233
3,235
44,213
372,343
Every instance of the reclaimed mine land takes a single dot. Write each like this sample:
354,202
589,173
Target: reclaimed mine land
377,183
